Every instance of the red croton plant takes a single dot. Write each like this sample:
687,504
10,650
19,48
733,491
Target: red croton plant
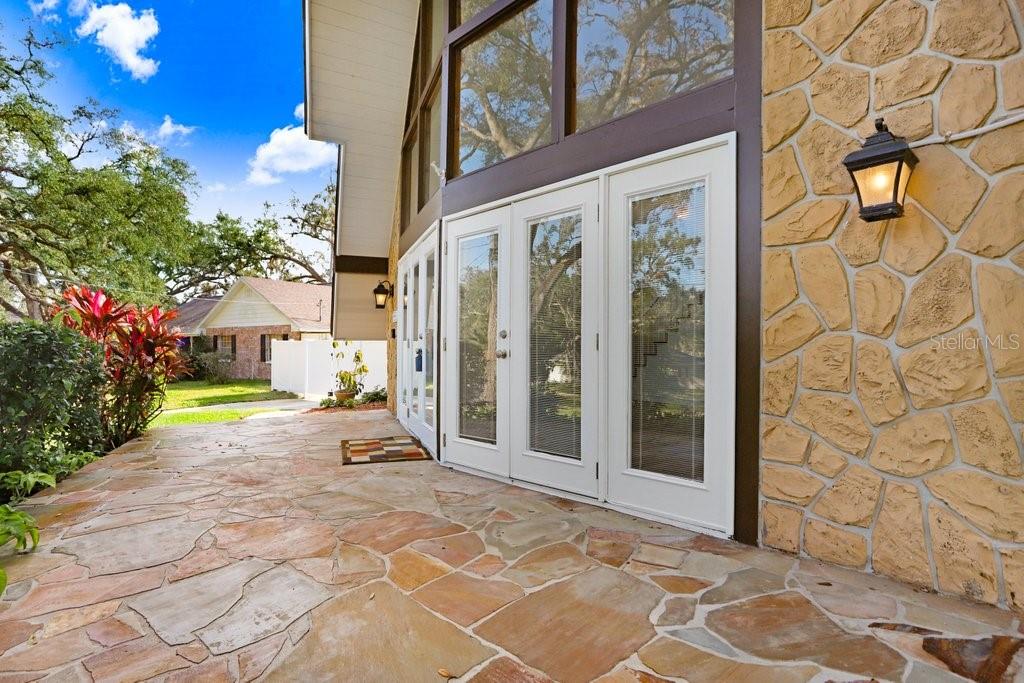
140,355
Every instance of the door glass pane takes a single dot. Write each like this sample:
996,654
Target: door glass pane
633,53
667,283
404,345
428,346
414,327
505,89
478,327
556,286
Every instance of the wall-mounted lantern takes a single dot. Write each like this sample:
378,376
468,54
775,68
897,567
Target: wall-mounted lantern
881,170
382,292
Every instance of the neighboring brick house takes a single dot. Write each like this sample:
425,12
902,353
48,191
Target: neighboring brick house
255,311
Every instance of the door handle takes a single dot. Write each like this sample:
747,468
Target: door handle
501,354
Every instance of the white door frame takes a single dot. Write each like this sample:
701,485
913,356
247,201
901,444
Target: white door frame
724,440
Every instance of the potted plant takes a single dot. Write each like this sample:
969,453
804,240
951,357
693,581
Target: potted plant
350,382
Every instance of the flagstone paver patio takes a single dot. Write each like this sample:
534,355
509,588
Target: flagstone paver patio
245,551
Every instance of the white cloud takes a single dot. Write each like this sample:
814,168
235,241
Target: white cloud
169,129
214,188
122,32
44,9
288,151
300,111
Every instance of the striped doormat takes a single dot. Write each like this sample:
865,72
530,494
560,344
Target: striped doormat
384,449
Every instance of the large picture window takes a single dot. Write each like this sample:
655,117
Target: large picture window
634,53
504,80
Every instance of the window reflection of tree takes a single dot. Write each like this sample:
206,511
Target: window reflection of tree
555,326
668,332
633,53
478,317
505,80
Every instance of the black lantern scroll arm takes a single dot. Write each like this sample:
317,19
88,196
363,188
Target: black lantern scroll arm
881,170
382,292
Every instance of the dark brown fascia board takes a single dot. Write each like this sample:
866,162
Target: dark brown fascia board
370,265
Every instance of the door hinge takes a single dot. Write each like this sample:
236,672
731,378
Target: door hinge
597,342
598,213
597,470
444,439
446,248
444,343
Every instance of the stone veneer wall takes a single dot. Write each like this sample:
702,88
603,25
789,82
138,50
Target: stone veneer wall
891,429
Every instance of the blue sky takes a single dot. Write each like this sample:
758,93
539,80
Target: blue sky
228,73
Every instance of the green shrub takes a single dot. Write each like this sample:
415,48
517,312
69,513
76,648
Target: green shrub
328,402
375,395
51,391
210,366
19,527
20,485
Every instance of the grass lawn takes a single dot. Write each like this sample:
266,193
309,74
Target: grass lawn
196,393
166,419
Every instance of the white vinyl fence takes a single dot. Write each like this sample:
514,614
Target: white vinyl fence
309,367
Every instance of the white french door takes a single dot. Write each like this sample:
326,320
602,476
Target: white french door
672,336
597,355
417,335
476,406
554,324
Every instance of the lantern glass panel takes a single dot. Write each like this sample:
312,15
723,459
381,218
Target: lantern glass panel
876,183
901,189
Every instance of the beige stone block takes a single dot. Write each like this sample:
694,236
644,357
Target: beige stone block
861,242
778,281
914,445
973,29
833,25
997,228
822,149
780,526
831,544
994,506
782,183
823,280
878,295
878,386
779,13
892,32
911,121
852,498
781,116
836,419
985,438
790,330
1013,399
826,461
787,60
1018,259
1012,73
778,386
898,540
947,370
1001,297
944,185
790,484
827,362
1013,577
807,222
841,93
914,241
968,97
940,301
911,77
783,442
1001,149
963,559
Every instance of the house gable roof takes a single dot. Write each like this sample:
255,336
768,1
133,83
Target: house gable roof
192,312
307,306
